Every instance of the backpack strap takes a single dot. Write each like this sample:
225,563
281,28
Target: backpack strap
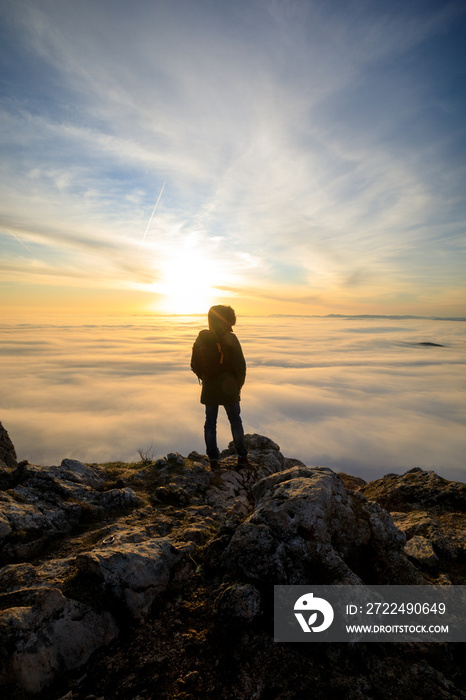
220,349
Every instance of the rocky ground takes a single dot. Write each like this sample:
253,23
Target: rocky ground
155,580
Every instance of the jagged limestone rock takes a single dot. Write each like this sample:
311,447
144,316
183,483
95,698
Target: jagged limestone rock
48,502
174,526
134,572
74,470
417,489
448,540
54,635
420,550
7,449
307,528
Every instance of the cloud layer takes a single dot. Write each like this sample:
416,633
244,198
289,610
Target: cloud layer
353,394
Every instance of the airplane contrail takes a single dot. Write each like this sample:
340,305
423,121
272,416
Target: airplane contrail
152,216
18,239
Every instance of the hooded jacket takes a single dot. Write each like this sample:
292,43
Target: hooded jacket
225,388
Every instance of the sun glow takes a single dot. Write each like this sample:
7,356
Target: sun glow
188,285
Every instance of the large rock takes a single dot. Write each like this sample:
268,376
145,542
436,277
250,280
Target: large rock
23,582
447,534
431,511
417,490
258,443
238,603
76,471
263,453
46,502
52,636
306,528
421,550
7,449
230,491
131,571
31,517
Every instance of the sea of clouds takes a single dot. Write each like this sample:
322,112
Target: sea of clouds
356,394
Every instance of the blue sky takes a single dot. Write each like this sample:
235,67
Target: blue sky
313,155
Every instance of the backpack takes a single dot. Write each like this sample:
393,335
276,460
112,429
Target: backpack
207,356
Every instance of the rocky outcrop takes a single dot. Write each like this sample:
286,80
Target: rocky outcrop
7,450
417,490
306,528
43,503
131,571
45,632
171,565
431,512
52,636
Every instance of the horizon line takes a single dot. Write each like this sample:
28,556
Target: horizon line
202,315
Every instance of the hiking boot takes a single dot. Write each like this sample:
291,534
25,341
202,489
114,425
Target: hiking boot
214,465
242,462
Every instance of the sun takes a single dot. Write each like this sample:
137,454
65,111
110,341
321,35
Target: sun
188,285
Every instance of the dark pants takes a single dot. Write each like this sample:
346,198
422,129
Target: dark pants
210,430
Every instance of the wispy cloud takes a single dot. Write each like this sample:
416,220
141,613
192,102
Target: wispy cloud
314,138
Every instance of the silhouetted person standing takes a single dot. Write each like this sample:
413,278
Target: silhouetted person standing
218,361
